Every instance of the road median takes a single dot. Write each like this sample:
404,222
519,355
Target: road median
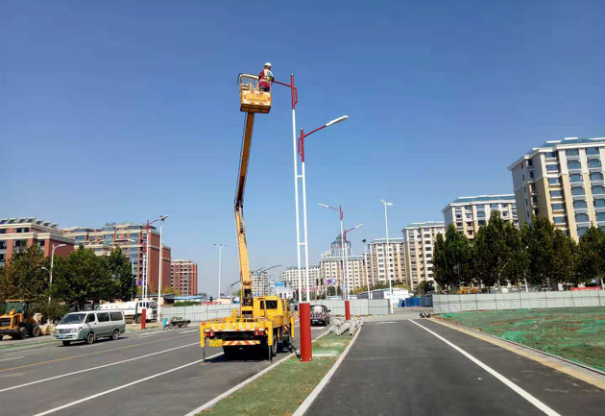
286,386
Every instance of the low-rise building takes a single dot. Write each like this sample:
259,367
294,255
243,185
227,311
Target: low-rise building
290,277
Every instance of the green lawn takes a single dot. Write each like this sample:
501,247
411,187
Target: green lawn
577,334
282,390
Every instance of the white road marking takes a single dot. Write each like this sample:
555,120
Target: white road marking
95,368
324,381
389,322
189,332
103,393
14,358
240,385
543,407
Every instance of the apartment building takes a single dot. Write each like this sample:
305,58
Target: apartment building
331,266
563,181
131,238
469,213
260,282
419,239
183,276
290,276
376,260
21,232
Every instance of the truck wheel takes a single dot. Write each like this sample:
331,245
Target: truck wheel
138,319
90,338
1,336
66,343
22,333
36,331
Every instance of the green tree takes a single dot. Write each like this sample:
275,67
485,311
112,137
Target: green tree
590,256
81,277
121,274
538,239
452,258
23,276
564,259
425,287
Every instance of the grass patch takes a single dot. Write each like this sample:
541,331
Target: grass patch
282,390
577,334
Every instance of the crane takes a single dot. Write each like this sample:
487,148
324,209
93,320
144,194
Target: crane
264,321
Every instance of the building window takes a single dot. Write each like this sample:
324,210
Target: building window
529,162
575,178
551,155
592,151
531,174
579,204
574,164
600,216
582,218
598,190
559,220
552,168
596,176
572,152
581,231
532,187
3,244
495,206
556,194
554,181
557,207
480,214
594,163
599,203
578,190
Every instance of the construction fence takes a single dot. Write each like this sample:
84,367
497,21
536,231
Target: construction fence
358,306
198,313
532,300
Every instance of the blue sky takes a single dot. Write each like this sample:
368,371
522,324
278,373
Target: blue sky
123,111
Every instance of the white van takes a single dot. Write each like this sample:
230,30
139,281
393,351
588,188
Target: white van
90,325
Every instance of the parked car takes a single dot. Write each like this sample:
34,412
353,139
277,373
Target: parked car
320,314
90,325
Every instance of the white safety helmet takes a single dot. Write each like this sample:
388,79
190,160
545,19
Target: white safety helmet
268,64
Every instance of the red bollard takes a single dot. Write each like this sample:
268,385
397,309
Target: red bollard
143,318
347,310
306,350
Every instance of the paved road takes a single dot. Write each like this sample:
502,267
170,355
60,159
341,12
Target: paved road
399,368
141,373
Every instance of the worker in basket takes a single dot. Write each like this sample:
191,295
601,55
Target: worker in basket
266,78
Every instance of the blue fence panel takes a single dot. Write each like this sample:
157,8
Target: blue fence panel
411,302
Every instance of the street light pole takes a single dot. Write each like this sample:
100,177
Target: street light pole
365,259
162,218
52,263
220,266
388,266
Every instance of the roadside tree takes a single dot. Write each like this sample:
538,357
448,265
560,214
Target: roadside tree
452,258
23,276
590,257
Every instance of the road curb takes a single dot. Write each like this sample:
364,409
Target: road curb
582,372
302,409
244,383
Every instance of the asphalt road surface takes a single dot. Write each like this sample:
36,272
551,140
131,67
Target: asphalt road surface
157,373
397,368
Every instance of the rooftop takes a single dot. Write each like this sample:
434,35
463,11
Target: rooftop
568,142
426,224
27,220
384,240
479,198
